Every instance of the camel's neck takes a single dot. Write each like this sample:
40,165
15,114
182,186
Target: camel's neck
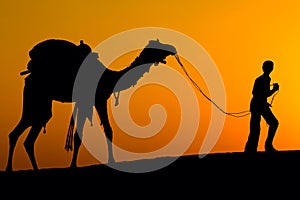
155,52
129,76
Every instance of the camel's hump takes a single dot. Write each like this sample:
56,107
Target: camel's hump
57,55
57,47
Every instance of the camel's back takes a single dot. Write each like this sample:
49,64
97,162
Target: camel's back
54,64
56,56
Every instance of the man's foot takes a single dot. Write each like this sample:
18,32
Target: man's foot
250,150
270,149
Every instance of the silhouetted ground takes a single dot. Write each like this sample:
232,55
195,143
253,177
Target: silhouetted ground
225,175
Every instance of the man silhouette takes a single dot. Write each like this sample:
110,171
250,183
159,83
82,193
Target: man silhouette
259,106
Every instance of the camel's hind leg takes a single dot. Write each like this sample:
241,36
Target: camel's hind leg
13,138
29,143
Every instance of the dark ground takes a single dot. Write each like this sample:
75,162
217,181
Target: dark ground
226,175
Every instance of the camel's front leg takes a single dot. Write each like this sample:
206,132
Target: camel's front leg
101,108
77,138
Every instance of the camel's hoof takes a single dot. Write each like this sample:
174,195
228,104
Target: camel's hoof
8,169
73,166
111,161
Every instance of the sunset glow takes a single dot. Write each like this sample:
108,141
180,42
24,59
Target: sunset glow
237,35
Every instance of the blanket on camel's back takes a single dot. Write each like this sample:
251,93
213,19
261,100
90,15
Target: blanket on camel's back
53,66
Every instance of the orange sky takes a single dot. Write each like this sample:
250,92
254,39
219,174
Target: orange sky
237,35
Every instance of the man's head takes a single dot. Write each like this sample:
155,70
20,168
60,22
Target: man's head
268,66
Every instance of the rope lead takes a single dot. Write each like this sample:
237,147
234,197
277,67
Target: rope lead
233,114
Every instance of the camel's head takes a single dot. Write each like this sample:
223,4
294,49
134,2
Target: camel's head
156,52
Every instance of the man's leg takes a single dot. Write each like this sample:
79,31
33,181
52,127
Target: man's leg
253,138
273,125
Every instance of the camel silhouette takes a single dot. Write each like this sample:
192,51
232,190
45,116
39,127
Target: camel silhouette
52,76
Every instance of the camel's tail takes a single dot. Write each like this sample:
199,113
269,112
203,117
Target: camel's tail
70,135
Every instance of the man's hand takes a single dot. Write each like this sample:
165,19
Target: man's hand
275,86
